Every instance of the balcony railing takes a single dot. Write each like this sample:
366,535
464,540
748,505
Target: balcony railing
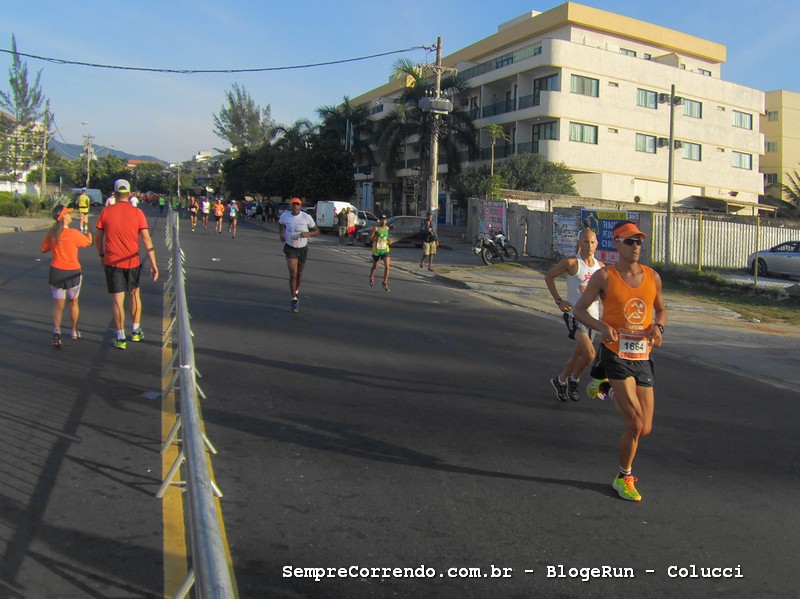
528,147
502,61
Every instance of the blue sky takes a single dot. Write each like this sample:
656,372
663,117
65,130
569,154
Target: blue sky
170,115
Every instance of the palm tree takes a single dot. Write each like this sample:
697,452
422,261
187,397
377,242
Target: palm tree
295,136
495,132
352,126
456,129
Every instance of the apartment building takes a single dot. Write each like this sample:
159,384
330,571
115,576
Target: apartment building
591,89
781,128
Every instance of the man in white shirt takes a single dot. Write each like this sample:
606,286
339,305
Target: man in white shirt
296,227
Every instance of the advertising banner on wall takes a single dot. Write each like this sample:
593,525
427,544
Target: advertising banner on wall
493,216
602,222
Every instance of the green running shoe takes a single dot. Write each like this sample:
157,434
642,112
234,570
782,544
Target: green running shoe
598,389
137,335
120,344
625,489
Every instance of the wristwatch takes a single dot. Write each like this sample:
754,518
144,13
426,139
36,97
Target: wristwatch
558,301
660,327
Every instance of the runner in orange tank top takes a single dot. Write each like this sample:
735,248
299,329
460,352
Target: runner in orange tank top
634,315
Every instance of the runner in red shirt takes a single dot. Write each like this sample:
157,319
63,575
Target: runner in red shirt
119,228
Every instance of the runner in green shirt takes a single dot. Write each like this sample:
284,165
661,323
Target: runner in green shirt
380,251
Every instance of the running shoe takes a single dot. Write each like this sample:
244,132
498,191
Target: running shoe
598,389
625,489
76,335
386,286
420,264
56,339
294,304
137,335
120,344
572,389
561,388
371,281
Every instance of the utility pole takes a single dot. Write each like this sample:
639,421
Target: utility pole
87,146
437,106
44,151
670,178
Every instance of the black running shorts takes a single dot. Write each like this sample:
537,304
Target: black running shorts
121,280
618,369
293,253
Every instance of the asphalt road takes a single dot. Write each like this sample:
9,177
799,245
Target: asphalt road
411,429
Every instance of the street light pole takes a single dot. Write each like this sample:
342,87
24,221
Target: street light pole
44,151
433,189
88,147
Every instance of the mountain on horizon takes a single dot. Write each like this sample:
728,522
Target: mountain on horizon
73,151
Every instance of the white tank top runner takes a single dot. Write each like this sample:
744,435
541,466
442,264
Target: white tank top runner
577,283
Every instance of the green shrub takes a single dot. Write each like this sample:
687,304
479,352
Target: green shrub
6,196
12,208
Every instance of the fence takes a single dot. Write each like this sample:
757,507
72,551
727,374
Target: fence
717,240
210,571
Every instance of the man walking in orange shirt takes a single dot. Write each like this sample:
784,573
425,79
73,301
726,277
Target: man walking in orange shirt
119,228
634,315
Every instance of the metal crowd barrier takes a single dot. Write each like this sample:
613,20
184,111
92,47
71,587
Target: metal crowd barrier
209,570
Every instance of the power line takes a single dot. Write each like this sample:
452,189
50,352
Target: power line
199,71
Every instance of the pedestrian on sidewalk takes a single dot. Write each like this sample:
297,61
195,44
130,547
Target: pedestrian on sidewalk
634,315
579,269
380,251
65,270
84,204
430,241
341,221
351,226
119,229
296,227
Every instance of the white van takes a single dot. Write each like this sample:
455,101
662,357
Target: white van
326,219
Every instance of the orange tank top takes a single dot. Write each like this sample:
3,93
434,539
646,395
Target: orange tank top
629,310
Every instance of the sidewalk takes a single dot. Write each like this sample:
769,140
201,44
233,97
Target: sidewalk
9,224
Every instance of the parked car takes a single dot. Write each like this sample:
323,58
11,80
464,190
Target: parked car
405,230
369,220
783,259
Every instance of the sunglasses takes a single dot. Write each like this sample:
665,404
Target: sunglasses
631,241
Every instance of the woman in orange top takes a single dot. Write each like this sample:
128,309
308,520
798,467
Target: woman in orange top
65,270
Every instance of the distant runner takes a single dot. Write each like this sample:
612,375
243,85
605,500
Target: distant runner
380,251
296,227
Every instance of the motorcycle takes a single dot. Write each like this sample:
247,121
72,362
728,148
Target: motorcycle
494,247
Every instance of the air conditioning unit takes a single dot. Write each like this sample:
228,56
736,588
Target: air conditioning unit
662,142
663,98
678,144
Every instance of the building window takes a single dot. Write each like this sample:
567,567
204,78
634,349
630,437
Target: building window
692,151
742,160
693,108
627,52
583,133
772,115
705,72
545,131
742,120
770,178
646,98
772,146
645,143
648,56
586,86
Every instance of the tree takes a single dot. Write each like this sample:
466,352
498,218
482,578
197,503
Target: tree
294,137
20,135
352,126
531,172
456,130
792,191
495,132
242,123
